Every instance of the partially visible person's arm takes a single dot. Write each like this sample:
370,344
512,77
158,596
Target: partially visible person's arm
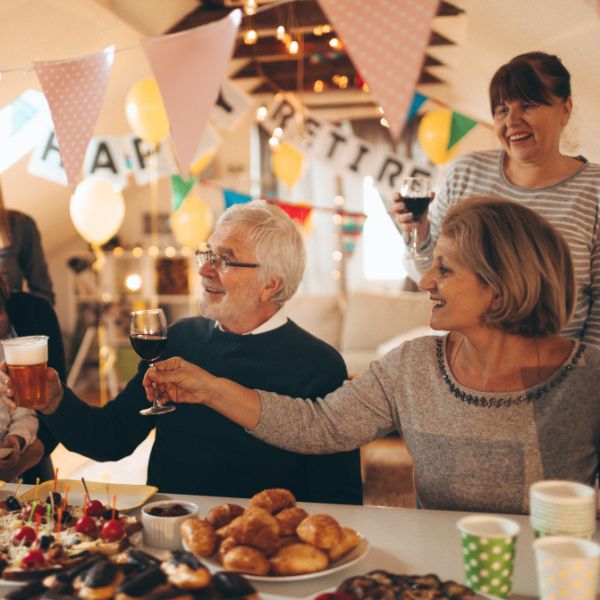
358,412
24,423
33,262
592,324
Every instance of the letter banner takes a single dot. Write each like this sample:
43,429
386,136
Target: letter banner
342,151
75,91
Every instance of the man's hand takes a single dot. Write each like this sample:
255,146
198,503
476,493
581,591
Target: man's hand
404,220
54,387
177,380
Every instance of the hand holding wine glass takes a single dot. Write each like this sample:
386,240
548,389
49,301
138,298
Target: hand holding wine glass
415,194
148,335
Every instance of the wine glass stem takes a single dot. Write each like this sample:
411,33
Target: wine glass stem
414,240
155,403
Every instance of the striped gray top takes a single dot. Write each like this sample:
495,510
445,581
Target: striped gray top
571,206
467,456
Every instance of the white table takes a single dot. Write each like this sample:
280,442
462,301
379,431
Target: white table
402,540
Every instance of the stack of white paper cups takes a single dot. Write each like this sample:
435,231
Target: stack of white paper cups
563,508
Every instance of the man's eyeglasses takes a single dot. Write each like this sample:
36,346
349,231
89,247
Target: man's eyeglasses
219,262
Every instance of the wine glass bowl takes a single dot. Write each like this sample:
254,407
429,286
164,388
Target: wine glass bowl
148,336
416,195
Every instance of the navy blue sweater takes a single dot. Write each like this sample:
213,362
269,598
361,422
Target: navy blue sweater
198,451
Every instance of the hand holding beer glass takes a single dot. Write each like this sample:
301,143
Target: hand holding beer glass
26,359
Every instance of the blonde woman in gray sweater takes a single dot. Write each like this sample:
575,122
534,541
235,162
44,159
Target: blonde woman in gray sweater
500,402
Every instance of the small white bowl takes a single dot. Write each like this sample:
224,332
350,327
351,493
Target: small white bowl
164,532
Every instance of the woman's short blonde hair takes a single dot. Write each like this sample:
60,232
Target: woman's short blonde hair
523,258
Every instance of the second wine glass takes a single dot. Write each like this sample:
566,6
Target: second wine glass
148,335
416,195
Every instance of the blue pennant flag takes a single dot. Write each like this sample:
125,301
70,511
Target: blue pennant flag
232,197
417,102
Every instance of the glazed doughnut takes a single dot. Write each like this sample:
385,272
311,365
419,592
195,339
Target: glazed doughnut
297,559
289,519
199,536
256,528
223,514
321,531
273,500
350,539
226,545
244,559
185,571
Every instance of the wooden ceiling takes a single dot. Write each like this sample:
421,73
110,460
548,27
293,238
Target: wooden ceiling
267,66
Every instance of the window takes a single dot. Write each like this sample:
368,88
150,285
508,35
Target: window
382,243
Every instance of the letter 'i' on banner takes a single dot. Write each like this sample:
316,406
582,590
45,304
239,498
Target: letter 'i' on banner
75,92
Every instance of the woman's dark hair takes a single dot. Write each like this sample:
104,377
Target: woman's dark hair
536,77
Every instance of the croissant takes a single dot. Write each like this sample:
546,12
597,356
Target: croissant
256,528
273,500
244,559
297,559
321,531
199,536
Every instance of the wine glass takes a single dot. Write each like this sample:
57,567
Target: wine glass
416,195
148,335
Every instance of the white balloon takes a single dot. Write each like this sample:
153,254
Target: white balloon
97,210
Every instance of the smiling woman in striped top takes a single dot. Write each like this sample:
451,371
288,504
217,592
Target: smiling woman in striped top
531,104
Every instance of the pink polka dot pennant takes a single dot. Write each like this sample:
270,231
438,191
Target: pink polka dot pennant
75,89
386,40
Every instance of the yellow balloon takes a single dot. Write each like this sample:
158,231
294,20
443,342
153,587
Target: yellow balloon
192,222
287,163
145,111
434,135
202,162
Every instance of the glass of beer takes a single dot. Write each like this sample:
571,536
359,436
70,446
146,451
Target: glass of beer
26,358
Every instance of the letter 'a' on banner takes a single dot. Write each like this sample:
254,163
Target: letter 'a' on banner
75,91
189,68
386,40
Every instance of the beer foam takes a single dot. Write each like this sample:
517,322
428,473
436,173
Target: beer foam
32,350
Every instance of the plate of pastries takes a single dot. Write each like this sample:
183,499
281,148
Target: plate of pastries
380,584
272,539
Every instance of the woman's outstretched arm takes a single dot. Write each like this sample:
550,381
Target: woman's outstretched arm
178,380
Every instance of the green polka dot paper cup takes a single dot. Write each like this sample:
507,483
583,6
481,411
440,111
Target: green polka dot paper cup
567,568
488,544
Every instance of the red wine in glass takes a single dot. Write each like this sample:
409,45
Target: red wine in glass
416,206
416,195
148,347
148,335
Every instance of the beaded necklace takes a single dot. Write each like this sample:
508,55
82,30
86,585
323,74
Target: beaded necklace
494,402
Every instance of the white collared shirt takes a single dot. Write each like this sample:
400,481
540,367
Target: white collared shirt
277,320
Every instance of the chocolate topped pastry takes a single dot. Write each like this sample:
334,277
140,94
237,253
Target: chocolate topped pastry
142,584
186,558
232,585
30,590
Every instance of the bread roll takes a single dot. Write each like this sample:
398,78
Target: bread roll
256,528
244,559
297,559
289,519
223,514
350,539
226,545
321,531
199,536
273,500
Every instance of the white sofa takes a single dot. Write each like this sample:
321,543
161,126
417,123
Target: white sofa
370,323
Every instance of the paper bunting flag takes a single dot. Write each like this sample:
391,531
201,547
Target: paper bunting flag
180,188
232,197
417,101
189,68
75,89
297,212
351,229
459,127
386,41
